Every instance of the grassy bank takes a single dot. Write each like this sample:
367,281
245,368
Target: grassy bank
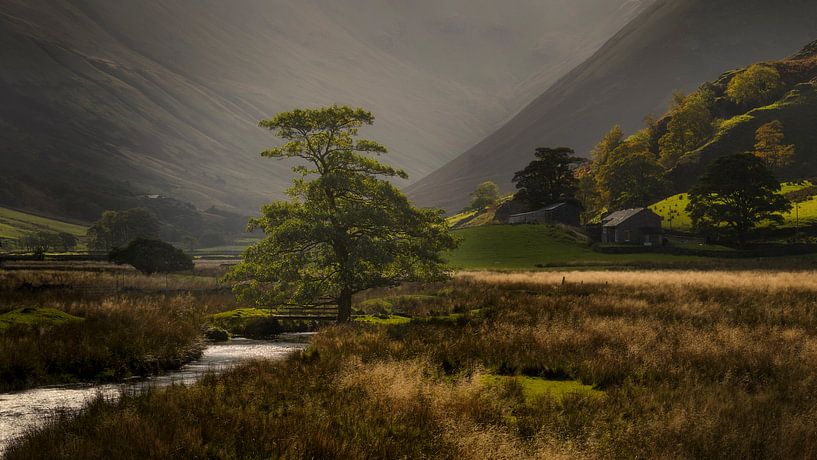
624,365
78,326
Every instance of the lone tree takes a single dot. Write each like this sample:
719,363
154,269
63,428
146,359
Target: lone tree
486,194
549,178
735,193
769,146
152,256
346,228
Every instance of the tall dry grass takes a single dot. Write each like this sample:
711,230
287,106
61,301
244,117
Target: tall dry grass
131,325
692,365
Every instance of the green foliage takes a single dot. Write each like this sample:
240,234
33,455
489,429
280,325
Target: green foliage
608,144
756,86
152,256
735,194
591,194
549,178
256,323
632,176
690,126
116,229
346,228
486,194
42,241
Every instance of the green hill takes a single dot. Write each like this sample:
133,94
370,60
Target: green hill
16,224
673,209
527,247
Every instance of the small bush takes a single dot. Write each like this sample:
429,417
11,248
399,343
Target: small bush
152,256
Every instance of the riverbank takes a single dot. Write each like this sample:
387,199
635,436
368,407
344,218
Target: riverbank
62,327
541,365
24,411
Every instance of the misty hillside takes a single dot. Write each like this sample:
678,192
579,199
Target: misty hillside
101,101
674,44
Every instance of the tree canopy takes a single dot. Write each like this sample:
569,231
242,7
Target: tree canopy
769,146
735,193
549,178
690,126
755,86
345,228
152,256
486,194
118,228
632,176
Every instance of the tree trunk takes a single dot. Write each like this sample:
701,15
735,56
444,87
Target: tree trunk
345,306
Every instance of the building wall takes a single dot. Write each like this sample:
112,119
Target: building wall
630,231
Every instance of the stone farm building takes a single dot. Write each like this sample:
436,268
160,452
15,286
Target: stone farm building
559,213
638,226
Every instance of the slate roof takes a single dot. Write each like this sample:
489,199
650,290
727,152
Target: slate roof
551,207
554,207
619,217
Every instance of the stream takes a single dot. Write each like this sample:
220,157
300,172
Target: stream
28,409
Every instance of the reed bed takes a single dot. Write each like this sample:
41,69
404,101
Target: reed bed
126,324
741,279
691,365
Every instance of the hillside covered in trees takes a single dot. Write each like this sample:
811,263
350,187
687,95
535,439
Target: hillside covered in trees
672,45
768,109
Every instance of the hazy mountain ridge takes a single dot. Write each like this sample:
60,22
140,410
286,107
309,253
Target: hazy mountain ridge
103,101
674,44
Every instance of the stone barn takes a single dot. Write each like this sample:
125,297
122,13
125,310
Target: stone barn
638,226
560,213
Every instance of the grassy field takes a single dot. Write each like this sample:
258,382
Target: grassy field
639,364
524,247
16,224
233,249
673,209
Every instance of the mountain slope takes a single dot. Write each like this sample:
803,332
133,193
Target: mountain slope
674,44
794,105
103,101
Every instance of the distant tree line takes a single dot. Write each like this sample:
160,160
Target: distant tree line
43,241
115,229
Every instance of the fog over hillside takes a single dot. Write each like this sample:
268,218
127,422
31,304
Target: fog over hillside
102,99
674,44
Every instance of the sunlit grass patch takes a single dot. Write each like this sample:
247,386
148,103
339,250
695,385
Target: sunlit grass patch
239,313
239,319
382,320
36,317
534,387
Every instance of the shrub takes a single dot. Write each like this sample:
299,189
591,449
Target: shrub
152,256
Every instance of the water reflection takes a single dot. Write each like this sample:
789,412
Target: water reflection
24,410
